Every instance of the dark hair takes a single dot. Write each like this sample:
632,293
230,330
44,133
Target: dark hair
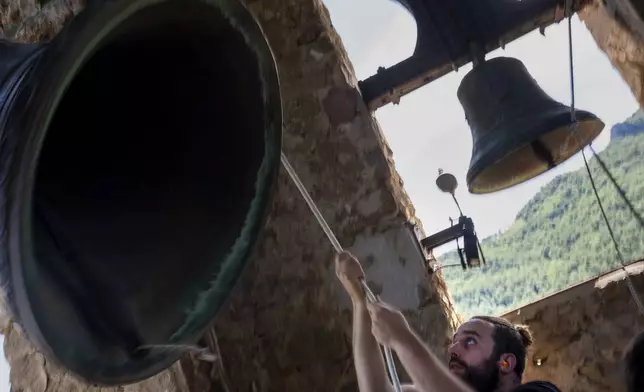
634,363
510,338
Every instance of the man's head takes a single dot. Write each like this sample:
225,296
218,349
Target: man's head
634,363
487,351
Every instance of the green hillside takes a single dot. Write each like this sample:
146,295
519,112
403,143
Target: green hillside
558,238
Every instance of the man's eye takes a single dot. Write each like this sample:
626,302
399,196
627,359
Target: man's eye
470,341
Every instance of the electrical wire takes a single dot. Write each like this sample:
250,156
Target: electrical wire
573,127
620,256
621,192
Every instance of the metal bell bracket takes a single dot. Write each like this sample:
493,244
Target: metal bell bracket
445,30
469,255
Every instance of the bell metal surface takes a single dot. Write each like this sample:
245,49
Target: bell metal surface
518,131
140,151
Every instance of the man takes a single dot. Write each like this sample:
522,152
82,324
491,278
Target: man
634,364
487,354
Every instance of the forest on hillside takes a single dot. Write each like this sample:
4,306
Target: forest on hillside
559,237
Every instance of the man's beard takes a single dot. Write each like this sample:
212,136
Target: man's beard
483,378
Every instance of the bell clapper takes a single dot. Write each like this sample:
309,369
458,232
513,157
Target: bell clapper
541,152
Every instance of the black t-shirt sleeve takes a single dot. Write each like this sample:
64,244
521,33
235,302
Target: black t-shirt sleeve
536,386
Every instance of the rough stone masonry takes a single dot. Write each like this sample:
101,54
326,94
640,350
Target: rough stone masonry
581,332
624,49
285,328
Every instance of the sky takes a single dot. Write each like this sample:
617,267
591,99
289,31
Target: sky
428,131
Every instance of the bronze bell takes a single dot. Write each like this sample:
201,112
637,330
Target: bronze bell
140,151
518,131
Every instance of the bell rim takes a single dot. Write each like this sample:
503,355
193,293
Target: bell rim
477,166
58,54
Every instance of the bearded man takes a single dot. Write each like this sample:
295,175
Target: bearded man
487,354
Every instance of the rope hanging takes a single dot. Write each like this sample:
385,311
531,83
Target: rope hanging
393,375
573,123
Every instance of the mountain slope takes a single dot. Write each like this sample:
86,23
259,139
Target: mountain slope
559,237
632,126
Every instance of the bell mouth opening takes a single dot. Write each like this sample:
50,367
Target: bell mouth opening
144,182
529,159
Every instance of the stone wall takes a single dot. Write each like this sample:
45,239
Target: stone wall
581,332
287,326
624,49
283,330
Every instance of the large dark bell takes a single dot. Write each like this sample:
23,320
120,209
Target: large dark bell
138,156
518,131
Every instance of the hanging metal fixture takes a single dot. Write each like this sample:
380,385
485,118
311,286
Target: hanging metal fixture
518,131
471,255
446,32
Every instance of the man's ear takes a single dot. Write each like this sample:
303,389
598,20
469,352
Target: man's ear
507,363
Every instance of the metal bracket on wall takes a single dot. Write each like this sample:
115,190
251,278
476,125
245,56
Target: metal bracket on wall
446,29
471,255
416,234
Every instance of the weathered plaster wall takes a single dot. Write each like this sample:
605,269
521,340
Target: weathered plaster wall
624,49
580,332
287,327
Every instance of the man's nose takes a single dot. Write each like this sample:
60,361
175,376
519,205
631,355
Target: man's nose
452,350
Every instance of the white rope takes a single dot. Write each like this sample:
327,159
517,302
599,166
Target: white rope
371,297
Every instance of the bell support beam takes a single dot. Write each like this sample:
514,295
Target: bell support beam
446,30
442,237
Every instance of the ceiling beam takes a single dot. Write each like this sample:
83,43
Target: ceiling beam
448,33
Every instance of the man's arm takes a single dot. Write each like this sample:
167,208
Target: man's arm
368,359
427,372
367,355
